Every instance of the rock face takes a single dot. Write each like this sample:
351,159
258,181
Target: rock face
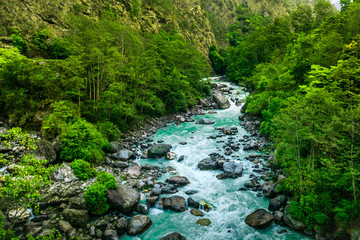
174,236
291,222
232,169
77,218
208,164
204,121
123,155
175,203
178,180
124,198
221,100
259,219
138,224
159,150
65,173
45,150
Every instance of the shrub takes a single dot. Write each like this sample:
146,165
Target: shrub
83,170
96,201
106,179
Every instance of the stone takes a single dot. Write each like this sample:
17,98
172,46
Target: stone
19,214
178,180
276,203
134,171
123,155
142,208
208,164
181,158
205,206
254,183
259,219
175,203
221,100
170,156
167,169
77,218
110,234
232,169
159,150
170,189
268,189
191,192
203,222
193,203
46,151
138,224
121,226
205,121
65,173
291,222
173,236
197,212
77,203
124,198
156,191
65,226
152,200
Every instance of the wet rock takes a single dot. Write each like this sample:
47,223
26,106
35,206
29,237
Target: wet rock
203,222
159,150
156,191
282,231
111,234
204,121
167,169
278,215
134,171
233,169
152,200
268,189
208,164
178,181
205,206
170,156
170,189
65,173
191,192
46,151
181,158
175,203
183,143
150,167
77,218
259,219
142,208
254,183
291,222
197,212
278,202
124,198
173,236
138,224
221,100
123,155
193,203
121,226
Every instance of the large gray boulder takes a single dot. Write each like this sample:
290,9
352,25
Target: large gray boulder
276,203
232,169
134,170
124,198
178,180
208,164
205,121
173,236
158,150
175,203
123,155
46,151
138,224
259,219
221,100
77,218
65,173
268,189
110,234
291,222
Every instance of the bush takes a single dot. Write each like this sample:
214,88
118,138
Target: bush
96,201
83,170
106,179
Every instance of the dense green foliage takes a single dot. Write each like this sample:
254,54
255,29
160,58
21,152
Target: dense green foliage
106,179
83,170
96,201
304,70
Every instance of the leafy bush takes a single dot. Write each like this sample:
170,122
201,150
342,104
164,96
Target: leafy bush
96,201
83,141
83,170
106,179
19,42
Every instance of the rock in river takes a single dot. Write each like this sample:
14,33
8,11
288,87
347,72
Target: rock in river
208,164
124,198
123,155
138,224
221,100
203,222
175,203
204,121
259,219
233,169
178,181
159,150
174,236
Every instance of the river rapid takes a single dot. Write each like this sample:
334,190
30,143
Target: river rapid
230,206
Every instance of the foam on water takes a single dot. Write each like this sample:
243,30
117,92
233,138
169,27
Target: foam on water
230,206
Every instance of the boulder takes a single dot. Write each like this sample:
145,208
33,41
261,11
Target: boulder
123,155
268,189
205,121
254,183
77,218
121,226
46,151
181,158
221,100
65,173
169,189
134,170
193,203
173,236
233,169
138,224
65,226
115,146
276,203
124,198
208,164
197,212
170,156
203,222
19,214
152,200
178,180
142,208
175,203
159,150
110,234
259,219
167,169
291,222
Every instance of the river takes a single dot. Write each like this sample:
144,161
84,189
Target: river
229,205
